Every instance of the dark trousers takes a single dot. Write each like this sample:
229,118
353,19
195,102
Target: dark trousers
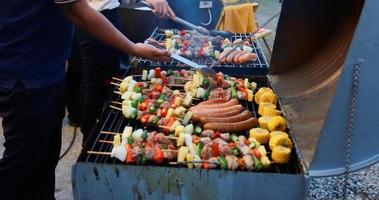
32,123
100,63
73,80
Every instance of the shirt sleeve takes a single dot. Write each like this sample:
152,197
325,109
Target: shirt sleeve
64,1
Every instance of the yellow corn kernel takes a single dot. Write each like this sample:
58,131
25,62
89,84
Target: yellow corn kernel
281,154
265,106
280,140
275,133
277,123
260,134
260,92
268,97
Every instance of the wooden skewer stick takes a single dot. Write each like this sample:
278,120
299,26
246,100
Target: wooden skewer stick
185,162
171,137
113,83
106,141
114,107
117,92
116,102
109,133
99,153
169,150
117,79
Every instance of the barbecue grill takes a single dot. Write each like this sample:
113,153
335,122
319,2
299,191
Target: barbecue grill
323,73
258,67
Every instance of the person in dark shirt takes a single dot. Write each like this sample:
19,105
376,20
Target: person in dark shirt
35,37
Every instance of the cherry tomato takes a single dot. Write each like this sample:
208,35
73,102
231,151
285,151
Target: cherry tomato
217,134
164,112
158,88
173,105
142,106
145,118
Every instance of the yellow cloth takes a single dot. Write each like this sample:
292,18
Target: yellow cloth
237,19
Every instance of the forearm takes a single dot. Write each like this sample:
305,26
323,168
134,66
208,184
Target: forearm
97,25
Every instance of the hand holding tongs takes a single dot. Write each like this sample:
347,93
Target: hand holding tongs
203,69
199,29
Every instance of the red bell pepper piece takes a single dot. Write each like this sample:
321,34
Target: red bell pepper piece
164,79
216,150
217,134
158,88
256,153
158,156
129,154
157,72
206,165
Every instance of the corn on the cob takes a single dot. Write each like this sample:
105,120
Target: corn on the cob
280,140
189,158
182,153
281,154
268,97
263,121
275,133
260,92
260,134
277,123
265,106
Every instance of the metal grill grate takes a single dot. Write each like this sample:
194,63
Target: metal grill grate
258,67
114,121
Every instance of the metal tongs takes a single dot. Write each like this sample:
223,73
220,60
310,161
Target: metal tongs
203,69
179,20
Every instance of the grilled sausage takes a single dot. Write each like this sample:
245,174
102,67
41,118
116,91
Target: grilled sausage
215,106
232,127
236,58
237,118
245,58
231,56
210,112
213,101
196,117
222,56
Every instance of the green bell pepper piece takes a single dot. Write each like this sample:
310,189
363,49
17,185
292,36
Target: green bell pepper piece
135,103
144,135
234,92
236,151
234,138
223,162
137,89
198,130
199,148
152,109
130,140
257,164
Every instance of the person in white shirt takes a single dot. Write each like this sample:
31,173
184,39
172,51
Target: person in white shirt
99,62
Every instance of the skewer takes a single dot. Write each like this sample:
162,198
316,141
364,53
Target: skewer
109,133
185,162
106,141
117,92
171,137
116,84
114,107
99,153
117,79
169,150
116,102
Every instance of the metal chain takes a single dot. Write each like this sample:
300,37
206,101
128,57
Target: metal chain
353,107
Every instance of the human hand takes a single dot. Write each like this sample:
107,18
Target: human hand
162,9
150,52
